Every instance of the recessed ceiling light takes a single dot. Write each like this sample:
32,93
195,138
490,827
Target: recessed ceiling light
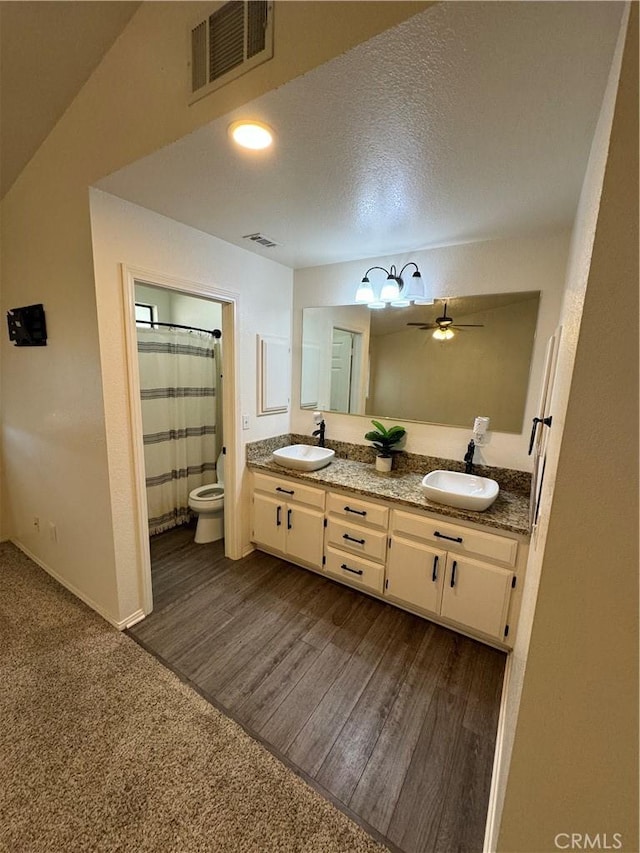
251,134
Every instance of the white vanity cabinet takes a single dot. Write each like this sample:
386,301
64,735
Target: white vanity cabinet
462,575
356,541
288,518
475,594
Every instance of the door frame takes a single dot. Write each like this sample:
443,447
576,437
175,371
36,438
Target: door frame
131,275
357,391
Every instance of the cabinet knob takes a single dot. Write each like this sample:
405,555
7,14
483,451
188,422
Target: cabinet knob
286,491
453,573
434,574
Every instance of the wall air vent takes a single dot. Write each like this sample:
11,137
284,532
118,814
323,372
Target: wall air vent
231,41
261,240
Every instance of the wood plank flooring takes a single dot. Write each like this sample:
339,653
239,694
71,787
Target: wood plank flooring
391,716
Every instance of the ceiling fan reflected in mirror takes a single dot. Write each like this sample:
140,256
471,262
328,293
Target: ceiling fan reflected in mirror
444,326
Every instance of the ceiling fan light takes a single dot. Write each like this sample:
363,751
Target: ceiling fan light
443,334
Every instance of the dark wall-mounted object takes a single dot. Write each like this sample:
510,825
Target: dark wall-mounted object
27,326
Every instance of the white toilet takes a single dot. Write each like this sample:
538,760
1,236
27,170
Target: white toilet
208,502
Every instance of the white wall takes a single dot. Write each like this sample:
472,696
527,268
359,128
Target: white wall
124,233
497,266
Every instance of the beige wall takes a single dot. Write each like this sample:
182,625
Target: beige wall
574,765
54,434
492,266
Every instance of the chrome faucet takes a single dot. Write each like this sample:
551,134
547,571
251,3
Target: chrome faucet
468,457
320,433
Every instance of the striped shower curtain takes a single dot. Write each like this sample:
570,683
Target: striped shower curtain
178,373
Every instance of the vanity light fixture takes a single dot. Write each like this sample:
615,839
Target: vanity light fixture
251,134
394,291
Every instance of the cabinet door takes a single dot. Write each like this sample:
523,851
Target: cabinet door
305,529
415,573
476,595
269,522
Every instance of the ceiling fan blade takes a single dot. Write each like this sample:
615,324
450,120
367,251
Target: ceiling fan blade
423,325
468,325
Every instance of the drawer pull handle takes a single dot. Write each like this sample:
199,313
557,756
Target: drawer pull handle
278,516
351,539
288,519
355,571
434,574
355,511
286,491
453,573
450,538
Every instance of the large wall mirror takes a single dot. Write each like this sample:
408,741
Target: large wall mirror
387,363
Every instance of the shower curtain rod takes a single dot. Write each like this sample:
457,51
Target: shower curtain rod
215,332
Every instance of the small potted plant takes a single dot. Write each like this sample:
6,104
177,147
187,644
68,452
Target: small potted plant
385,441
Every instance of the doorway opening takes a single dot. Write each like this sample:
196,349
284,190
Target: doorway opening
181,363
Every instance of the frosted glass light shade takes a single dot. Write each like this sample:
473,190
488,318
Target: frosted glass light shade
390,291
364,293
415,290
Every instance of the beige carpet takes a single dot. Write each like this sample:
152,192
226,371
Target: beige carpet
103,749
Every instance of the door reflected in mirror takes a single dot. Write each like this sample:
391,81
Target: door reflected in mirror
423,363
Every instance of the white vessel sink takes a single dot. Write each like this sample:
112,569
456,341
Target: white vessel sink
465,491
303,457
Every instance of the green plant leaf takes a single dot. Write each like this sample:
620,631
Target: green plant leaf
380,427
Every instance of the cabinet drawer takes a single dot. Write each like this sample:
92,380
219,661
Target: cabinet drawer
456,538
354,569
361,512
356,539
289,490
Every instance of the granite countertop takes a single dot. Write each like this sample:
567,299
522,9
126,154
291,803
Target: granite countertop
510,511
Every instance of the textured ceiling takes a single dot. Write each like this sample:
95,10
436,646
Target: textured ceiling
47,52
469,121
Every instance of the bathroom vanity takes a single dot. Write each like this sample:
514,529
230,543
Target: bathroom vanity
378,533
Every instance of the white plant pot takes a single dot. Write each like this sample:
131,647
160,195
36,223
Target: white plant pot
383,463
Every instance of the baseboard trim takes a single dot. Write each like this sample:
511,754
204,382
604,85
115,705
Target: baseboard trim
132,620
491,830
119,624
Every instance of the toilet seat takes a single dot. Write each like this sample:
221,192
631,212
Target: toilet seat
207,492
206,497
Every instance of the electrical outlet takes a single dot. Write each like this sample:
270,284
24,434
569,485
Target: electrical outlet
245,422
36,523
53,532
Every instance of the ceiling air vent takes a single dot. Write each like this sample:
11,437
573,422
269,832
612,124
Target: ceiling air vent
234,39
261,240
